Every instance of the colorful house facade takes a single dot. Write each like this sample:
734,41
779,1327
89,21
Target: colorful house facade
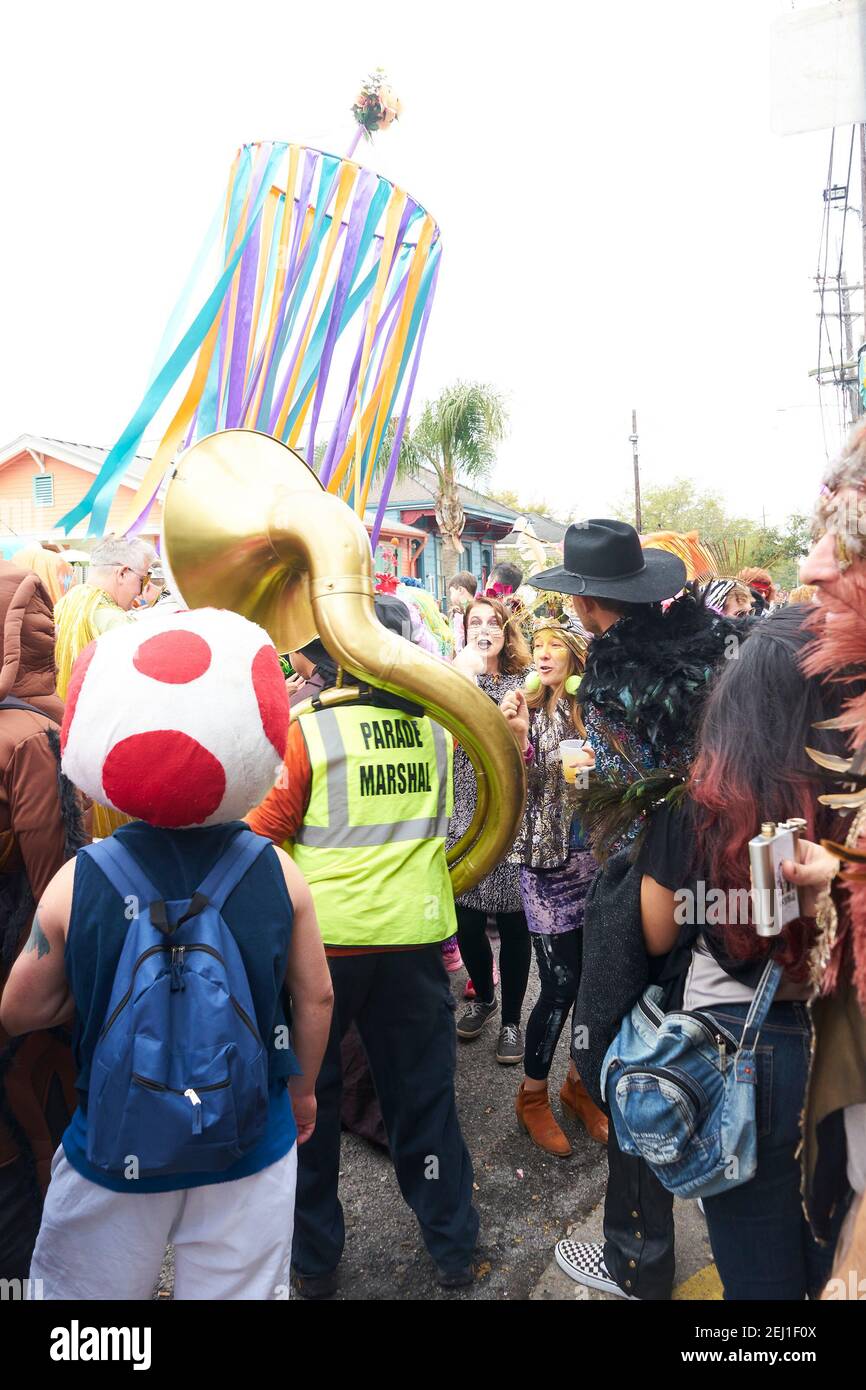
489,524
42,478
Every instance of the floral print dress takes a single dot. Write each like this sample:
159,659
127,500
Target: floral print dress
500,890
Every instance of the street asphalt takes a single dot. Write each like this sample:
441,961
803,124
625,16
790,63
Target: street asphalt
526,1199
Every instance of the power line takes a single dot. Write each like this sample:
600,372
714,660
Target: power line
843,322
821,280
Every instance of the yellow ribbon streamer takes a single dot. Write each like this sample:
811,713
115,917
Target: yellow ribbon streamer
279,283
179,425
348,174
396,204
395,352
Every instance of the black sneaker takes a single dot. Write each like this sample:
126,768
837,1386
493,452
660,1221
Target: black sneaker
475,1019
510,1047
583,1261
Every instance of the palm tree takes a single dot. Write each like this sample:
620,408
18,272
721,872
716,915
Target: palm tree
456,437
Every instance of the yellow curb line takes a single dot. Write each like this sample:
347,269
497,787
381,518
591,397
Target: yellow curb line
705,1286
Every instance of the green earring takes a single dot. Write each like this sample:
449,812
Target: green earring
532,683
572,685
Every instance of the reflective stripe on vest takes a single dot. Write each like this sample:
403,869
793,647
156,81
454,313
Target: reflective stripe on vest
339,833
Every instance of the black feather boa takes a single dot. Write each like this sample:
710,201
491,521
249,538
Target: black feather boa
651,670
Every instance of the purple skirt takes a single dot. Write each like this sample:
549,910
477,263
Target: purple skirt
554,899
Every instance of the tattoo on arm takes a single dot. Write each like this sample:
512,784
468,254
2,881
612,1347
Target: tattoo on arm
37,940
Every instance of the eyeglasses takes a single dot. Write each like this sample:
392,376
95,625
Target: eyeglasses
144,579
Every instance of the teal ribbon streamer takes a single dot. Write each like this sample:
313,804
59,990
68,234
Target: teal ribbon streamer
181,308
317,342
329,166
97,501
206,416
414,324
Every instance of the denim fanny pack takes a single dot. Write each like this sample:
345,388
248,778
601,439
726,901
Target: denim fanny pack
681,1092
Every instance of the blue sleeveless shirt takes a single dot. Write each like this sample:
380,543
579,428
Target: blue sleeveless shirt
258,913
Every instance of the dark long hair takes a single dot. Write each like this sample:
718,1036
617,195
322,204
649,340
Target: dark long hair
752,765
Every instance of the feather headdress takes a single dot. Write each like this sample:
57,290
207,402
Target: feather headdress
839,654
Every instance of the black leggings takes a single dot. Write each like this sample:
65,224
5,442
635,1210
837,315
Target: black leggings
513,956
557,956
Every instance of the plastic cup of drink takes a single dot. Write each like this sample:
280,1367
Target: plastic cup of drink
572,752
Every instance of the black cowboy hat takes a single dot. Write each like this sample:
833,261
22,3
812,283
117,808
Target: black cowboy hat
604,559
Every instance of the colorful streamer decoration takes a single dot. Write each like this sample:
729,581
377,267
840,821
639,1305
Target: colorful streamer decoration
310,327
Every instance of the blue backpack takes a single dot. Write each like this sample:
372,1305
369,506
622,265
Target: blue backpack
681,1091
179,1077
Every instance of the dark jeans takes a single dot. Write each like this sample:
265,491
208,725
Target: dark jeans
402,1004
20,1214
557,955
514,956
761,1243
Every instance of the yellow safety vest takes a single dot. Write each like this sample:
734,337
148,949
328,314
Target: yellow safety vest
372,845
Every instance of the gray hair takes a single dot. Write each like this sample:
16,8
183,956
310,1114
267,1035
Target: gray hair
136,554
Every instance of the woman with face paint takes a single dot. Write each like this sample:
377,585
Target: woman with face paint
497,658
555,875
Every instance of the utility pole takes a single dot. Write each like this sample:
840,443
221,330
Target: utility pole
861,394
863,201
633,442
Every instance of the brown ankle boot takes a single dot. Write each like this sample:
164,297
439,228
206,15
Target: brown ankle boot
577,1101
536,1117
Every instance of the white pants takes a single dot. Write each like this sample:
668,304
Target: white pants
232,1240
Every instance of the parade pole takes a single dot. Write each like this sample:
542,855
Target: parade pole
633,442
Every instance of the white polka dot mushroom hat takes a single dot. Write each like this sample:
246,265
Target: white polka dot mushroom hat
180,722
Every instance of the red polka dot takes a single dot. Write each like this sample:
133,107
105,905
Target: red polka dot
270,686
79,671
175,658
164,777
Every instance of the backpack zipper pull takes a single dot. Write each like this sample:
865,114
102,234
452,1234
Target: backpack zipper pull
177,964
194,1101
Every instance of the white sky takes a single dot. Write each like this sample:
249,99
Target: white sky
620,226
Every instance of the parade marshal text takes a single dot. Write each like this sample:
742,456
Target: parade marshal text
399,778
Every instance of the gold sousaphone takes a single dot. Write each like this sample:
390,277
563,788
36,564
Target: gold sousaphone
248,526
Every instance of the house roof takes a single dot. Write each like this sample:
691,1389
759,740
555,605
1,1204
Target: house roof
86,456
547,530
419,493
390,527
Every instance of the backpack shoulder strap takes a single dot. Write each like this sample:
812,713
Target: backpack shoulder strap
123,870
12,702
238,856
763,998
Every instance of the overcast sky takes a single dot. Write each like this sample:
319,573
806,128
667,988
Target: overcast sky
620,226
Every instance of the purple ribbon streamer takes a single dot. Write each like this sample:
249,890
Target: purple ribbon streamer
398,437
243,318
138,524
293,270
337,442
280,396
310,160
364,190
224,314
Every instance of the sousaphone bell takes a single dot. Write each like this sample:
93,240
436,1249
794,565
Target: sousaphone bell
248,526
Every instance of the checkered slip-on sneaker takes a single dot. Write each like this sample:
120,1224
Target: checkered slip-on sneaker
583,1261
